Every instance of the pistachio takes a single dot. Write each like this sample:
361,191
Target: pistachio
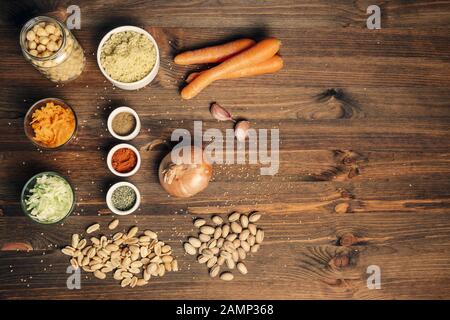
132,232
196,243
82,244
95,241
254,217
133,282
234,216
174,265
74,263
125,282
217,220
124,255
214,271
75,240
225,244
244,221
251,240
202,259
207,230
226,276
99,274
230,263
242,268
244,234
199,222
204,237
245,246
68,251
225,230
252,228
255,248
236,227
151,234
113,224
217,233
93,228
259,236
189,249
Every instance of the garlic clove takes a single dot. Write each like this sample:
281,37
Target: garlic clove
241,130
220,113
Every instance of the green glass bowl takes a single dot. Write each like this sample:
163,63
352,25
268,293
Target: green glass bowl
30,184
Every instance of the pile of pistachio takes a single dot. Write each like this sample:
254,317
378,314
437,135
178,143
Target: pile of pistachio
226,244
132,259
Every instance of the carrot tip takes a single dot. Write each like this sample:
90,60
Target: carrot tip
176,60
185,95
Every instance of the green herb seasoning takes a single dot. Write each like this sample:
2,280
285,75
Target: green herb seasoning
123,198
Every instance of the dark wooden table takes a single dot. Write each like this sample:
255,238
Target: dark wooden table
364,118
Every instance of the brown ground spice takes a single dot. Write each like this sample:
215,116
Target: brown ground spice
124,123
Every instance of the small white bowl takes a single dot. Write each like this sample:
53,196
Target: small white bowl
110,193
130,85
136,130
110,155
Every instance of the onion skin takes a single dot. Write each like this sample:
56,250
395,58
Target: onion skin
184,180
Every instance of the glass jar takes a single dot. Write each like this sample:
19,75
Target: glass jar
53,51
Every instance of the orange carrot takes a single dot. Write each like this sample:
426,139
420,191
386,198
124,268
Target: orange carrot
260,52
213,54
269,66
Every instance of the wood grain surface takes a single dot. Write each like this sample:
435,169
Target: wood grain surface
364,119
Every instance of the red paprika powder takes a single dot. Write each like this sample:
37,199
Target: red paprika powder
124,160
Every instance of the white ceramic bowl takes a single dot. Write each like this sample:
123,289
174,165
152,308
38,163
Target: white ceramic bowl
130,85
136,130
110,193
110,155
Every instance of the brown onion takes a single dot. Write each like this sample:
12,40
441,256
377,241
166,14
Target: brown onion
184,180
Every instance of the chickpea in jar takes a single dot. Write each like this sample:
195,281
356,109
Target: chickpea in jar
44,39
52,49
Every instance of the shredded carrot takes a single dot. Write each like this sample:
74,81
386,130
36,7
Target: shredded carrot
53,125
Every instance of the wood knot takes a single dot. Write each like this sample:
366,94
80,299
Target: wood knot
334,282
332,92
349,157
348,240
60,13
350,163
346,194
153,144
339,261
104,212
17,246
342,207
328,105
347,165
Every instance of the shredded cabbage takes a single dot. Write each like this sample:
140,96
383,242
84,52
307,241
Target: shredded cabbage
50,199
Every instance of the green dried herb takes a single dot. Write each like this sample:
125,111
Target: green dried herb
123,198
